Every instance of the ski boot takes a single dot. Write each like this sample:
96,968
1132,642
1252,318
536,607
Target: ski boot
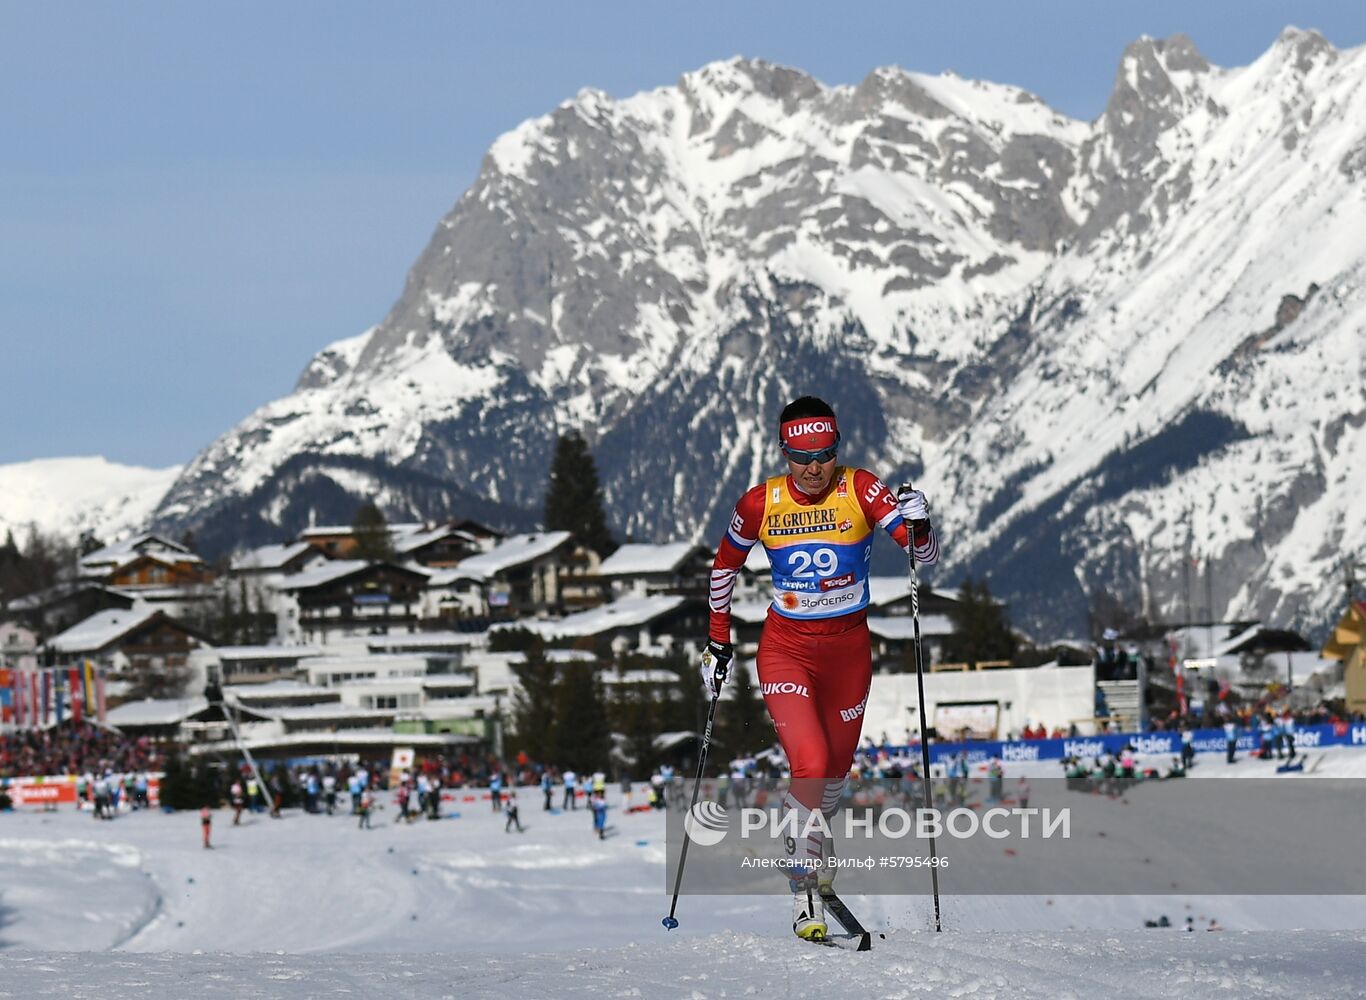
808,912
825,875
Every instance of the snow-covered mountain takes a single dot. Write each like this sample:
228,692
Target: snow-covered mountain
1104,348
65,497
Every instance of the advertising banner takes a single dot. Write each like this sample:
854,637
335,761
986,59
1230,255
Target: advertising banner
60,790
1166,742
41,791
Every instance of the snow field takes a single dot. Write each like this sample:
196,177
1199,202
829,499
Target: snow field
309,906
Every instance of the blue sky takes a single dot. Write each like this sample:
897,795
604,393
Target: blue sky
195,199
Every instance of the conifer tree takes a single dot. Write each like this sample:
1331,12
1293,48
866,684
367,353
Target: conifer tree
533,706
634,714
981,630
582,739
686,708
372,533
177,784
573,500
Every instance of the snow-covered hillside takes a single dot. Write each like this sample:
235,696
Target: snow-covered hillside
310,906
65,497
1105,348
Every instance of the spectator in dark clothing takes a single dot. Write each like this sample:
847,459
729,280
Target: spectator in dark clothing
510,811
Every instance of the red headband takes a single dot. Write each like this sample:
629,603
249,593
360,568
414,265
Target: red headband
809,433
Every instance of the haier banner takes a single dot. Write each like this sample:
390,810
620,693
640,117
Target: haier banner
1168,743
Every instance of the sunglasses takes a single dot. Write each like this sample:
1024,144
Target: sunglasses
807,457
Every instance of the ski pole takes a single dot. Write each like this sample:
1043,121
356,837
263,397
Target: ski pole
670,922
920,686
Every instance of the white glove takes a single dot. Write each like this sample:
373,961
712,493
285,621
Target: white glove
912,506
715,666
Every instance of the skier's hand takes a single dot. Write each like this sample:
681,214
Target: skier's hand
715,666
912,505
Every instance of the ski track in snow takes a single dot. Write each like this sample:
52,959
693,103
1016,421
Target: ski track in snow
312,907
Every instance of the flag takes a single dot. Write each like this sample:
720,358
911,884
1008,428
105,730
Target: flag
99,694
57,695
20,685
35,702
47,696
88,693
73,686
6,695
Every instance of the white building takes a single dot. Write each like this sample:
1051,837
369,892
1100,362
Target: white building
251,664
521,574
639,570
1012,697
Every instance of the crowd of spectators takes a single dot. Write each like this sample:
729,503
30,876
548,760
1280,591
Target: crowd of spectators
76,749
1246,715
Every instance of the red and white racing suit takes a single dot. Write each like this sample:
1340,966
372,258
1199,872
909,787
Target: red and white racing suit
815,658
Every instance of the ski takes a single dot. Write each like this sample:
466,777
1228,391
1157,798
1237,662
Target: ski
847,942
855,931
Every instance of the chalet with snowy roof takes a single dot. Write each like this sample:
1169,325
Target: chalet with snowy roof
1246,656
486,536
531,574
270,561
339,541
156,571
631,622
57,608
640,569
1257,641
890,596
101,563
893,640
142,646
351,597
435,544
336,541
438,548
159,570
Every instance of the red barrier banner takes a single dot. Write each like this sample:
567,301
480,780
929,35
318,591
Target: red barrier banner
42,791
61,790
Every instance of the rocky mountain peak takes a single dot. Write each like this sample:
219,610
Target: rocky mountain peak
1304,49
1156,82
894,89
1032,315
